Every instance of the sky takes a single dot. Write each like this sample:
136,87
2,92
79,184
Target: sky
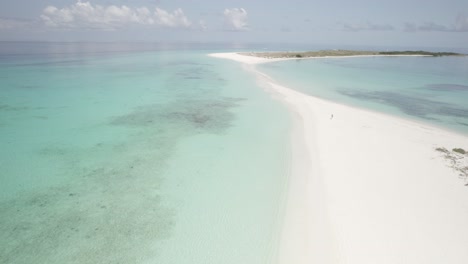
428,23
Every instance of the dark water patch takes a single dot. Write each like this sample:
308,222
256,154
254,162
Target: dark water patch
110,212
197,72
11,108
117,224
61,63
18,108
53,150
209,116
113,209
40,117
27,86
446,87
463,124
185,63
419,107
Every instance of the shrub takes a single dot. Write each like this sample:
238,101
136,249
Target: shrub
459,150
444,150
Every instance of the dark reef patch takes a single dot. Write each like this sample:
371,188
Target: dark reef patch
5,107
106,201
446,87
99,217
422,108
210,116
110,210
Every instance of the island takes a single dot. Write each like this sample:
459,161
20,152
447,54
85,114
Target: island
341,53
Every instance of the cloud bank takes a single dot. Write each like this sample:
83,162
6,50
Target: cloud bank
14,23
235,19
367,26
460,25
84,15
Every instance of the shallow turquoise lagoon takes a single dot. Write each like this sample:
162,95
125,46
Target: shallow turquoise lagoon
137,156
152,153
427,89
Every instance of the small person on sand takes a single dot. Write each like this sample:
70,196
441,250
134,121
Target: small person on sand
331,117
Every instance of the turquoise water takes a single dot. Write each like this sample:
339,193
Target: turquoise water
158,154
428,89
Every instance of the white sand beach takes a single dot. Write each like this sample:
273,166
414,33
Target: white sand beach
366,187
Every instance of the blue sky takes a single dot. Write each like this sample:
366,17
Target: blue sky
427,23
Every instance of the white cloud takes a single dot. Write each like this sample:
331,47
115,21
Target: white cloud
367,26
410,27
235,19
202,25
431,26
174,19
14,23
428,26
285,29
84,15
461,25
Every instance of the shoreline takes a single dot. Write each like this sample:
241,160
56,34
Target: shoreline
252,59
367,187
347,53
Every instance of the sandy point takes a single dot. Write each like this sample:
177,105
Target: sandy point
366,187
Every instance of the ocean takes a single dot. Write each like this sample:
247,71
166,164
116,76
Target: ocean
431,90
158,153
137,154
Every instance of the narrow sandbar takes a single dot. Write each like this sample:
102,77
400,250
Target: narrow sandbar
366,187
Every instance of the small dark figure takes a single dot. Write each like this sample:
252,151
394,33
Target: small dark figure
331,117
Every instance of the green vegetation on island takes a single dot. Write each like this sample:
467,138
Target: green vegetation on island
340,53
421,52
459,150
458,160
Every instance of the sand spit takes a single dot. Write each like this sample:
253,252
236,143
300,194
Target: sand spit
366,187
